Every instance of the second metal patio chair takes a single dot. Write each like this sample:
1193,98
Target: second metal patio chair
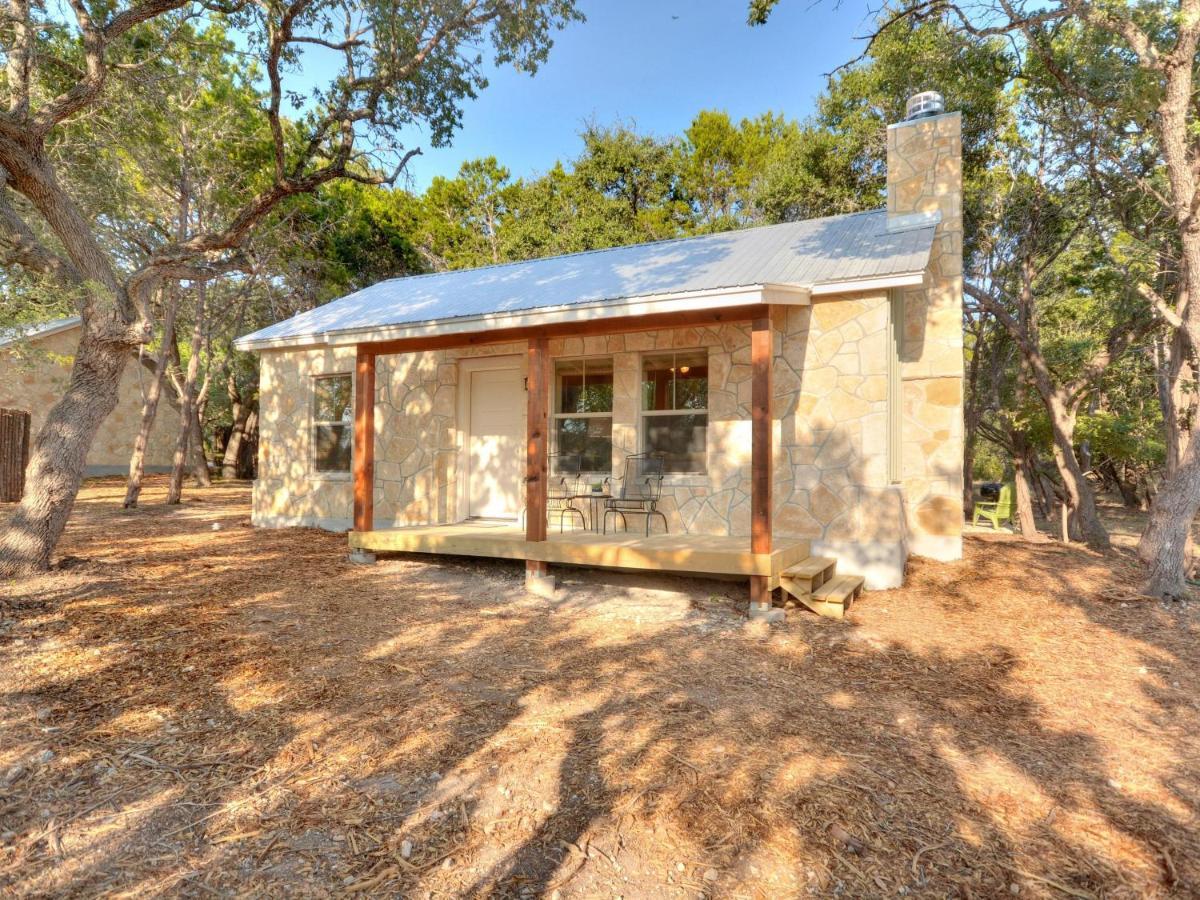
564,486
641,489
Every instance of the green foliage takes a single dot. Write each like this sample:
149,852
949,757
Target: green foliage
760,11
990,463
908,57
345,237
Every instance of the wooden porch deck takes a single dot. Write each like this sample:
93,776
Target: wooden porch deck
693,553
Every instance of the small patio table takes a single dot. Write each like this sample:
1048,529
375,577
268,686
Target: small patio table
595,506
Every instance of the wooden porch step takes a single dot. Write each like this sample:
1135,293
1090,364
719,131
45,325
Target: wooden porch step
841,591
815,583
806,568
808,574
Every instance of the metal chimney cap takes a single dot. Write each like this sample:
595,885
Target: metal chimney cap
926,103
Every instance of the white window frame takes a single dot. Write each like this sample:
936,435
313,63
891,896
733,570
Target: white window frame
556,398
314,423
643,414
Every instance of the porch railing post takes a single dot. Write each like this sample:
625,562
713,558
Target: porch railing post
364,440
762,393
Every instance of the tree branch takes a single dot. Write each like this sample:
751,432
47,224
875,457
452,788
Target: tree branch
21,247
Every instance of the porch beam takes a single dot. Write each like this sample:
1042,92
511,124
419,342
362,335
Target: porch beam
581,328
363,452
762,464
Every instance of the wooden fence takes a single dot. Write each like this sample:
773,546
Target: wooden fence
14,453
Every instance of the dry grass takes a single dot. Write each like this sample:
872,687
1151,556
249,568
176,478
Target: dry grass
217,712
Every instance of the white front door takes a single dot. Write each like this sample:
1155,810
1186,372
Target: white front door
495,443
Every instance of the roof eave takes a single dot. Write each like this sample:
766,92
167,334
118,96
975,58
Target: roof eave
917,278
743,295
36,333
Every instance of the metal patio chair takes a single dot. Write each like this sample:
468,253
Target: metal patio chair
641,489
563,486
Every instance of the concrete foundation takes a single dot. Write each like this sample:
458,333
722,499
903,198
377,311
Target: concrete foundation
761,612
542,585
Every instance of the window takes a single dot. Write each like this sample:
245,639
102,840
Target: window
333,423
583,411
675,408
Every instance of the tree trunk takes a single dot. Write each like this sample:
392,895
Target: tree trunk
112,327
137,461
187,405
199,459
1046,493
247,461
1128,491
58,458
1085,520
1164,544
969,476
229,464
1024,470
971,415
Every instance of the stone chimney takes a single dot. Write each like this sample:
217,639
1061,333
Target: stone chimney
924,165
924,187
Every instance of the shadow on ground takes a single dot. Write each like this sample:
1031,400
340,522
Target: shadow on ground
232,710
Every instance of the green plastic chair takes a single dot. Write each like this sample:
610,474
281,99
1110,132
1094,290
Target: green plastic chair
998,511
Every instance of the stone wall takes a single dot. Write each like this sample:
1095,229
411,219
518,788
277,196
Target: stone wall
925,176
831,409
287,490
35,373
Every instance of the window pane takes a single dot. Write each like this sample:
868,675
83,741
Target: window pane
691,380
675,380
681,439
585,385
589,438
657,379
331,447
332,399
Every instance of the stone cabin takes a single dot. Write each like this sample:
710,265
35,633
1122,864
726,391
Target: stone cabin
35,366
802,382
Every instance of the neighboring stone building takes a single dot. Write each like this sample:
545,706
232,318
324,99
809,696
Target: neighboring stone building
859,395
35,366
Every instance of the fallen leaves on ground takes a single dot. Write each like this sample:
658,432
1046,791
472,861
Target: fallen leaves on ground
197,711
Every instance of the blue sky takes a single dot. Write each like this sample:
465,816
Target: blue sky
635,61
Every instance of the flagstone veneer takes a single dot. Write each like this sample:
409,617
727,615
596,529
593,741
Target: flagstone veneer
35,373
831,387
925,175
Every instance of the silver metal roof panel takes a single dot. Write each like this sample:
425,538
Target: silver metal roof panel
804,254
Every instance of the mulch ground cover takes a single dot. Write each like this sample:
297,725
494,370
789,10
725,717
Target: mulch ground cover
189,706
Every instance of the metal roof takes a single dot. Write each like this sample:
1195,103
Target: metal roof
804,254
37,330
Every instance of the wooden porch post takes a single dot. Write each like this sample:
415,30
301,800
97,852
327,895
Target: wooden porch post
762,464
364,440
536,399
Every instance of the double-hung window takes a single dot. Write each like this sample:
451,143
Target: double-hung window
332,423
583,411
675,409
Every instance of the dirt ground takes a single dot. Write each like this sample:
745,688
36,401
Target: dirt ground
193,707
